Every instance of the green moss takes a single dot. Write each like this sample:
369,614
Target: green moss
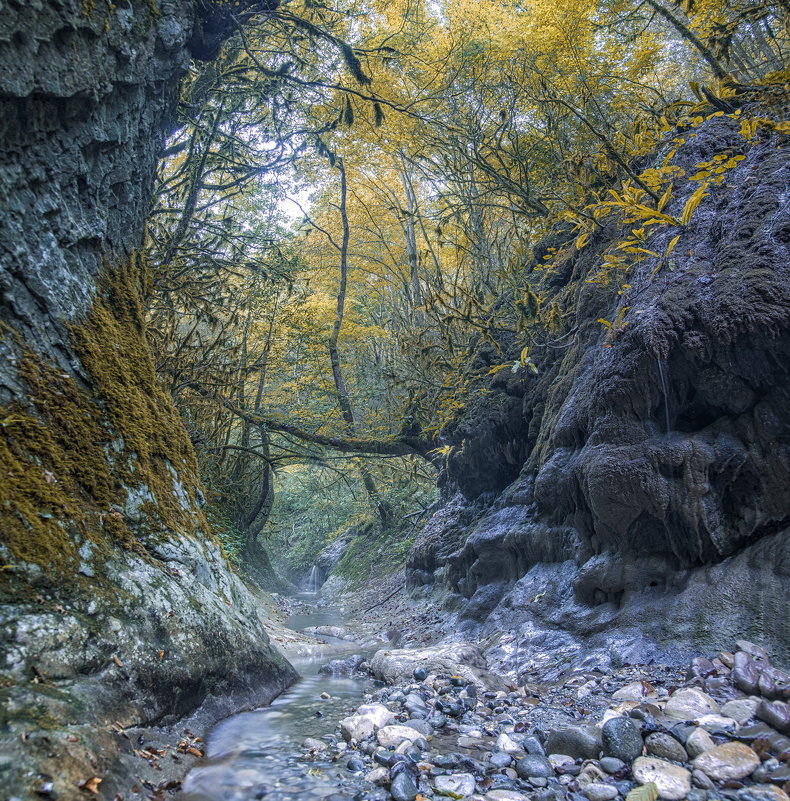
71,456
375,553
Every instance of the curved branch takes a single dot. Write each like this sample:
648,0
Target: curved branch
390,447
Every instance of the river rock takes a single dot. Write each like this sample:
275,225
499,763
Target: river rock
577,740
775,714
741,709
665,746
690,704
612,764
504,742
393,736
355,765
505,795
367,721
311,744
379,776
621,739
420,726
635,691
499,759
698,742
728,761
764,792
404,787
457,785
597,791
673,782
699,779
458,659
533,765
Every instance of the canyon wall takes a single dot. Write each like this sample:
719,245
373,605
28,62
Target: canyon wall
631,500
117,604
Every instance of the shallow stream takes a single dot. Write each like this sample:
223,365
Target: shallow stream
258,754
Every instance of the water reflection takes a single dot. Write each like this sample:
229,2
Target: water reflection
258,755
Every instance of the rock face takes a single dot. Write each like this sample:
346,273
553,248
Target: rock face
117,604
636,485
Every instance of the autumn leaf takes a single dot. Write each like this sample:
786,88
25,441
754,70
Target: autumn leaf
90,785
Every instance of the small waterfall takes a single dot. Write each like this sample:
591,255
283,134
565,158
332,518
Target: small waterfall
664,390
313,583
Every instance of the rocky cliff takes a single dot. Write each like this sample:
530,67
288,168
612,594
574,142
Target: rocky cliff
118,607
632,498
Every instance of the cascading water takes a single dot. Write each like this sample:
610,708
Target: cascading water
313,583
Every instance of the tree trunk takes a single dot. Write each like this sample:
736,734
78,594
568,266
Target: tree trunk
343,400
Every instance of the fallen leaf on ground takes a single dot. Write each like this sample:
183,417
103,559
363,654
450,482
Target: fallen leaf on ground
90,785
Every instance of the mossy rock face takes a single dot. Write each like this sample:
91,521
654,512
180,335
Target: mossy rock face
116,603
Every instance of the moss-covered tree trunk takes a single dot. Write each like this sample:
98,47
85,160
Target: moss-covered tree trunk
108,575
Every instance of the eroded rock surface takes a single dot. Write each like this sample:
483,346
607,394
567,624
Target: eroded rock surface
632,495
119,611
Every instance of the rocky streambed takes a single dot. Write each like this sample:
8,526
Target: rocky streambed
446,728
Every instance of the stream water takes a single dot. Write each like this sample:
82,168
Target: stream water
258,754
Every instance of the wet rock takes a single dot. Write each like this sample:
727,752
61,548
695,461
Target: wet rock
579,740
420,674
673,782
744,673
600,792
698,742
665,746
456,785
612,764
776,714
404,787
690,704
355,765
728,761
512,795
621,739
533,765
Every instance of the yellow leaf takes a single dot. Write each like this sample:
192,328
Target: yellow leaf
671,245
498,367
665,198
582,240
692,203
